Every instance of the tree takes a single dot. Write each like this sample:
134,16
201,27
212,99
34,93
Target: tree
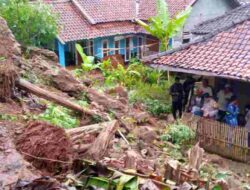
162,26
31,23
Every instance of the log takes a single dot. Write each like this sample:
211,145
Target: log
88,129
29,87
100,145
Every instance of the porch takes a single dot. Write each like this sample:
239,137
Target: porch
128,46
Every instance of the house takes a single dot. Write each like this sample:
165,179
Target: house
107,27
203,10
222,53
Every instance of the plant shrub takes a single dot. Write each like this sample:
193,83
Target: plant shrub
156,107
31,23
178,134
59,116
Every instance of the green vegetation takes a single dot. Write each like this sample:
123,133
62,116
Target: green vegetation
8,117
162,26
178,134
156,107
144,84
59,116
32,23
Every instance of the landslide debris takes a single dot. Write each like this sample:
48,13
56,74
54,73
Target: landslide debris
46,146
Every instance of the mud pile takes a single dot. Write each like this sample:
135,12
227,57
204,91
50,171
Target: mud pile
47,147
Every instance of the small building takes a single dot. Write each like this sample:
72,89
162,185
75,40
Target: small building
221,53
203,10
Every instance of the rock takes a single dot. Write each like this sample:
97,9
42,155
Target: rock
185,186
149,185
140,117
64,81
45,53
146,134
119,91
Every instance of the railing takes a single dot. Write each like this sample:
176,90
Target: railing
220,138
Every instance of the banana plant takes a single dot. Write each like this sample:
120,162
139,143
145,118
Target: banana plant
88,61
162,26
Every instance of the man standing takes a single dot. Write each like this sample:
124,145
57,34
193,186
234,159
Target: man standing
176,91
223,96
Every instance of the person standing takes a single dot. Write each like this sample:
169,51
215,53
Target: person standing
188,88
223,96
232,112
176,91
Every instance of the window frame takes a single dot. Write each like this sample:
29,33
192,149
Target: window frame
106,51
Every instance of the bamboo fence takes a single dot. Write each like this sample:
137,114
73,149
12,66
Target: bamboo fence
220,138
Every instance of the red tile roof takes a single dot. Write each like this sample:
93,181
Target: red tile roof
227,54
110,17
109,10
75,27
147,8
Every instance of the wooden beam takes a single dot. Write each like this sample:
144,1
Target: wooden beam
29,87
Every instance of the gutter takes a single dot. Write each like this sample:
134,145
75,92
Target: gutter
83,12
196,72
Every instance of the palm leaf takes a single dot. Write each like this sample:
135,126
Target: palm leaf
162,11
177,23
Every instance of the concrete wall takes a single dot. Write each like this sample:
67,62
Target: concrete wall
207,9
204,10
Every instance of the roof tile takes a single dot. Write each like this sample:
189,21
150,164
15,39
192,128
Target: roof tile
230,58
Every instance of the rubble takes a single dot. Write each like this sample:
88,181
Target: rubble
47,147
131,141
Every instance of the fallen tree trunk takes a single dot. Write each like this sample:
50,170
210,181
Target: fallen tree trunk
99,147
88,129
78,135
29,87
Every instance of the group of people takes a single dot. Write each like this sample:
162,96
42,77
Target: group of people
202,101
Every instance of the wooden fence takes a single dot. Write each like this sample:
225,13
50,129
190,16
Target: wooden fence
220,138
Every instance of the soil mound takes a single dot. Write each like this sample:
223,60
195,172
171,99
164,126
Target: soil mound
47,147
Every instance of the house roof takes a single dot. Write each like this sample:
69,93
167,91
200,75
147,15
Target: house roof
223,22
225,54
76,27
86,19
109,10
147,8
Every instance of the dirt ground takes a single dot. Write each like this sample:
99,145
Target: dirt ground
13,166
